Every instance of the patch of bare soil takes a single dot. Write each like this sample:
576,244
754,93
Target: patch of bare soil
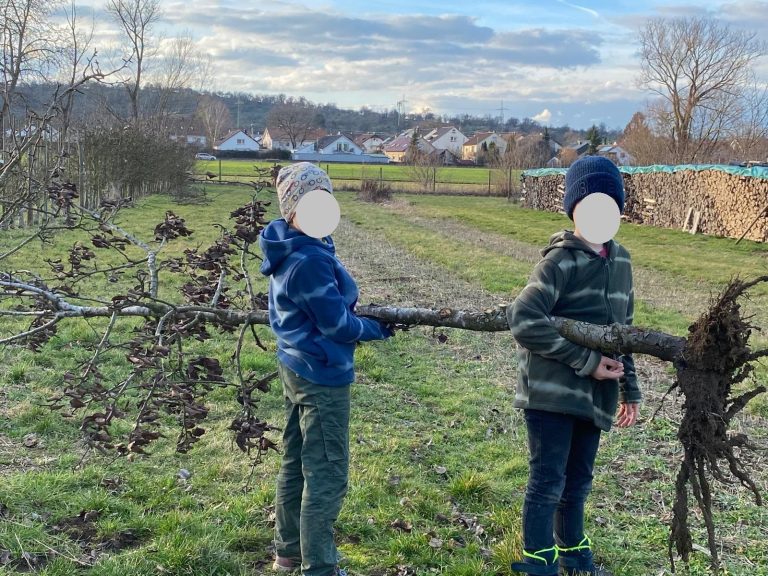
80,529
387,274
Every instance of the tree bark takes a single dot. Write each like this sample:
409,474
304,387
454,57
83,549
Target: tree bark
611,339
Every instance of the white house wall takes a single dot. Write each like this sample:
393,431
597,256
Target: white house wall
333,147
247,144
445,143
373,144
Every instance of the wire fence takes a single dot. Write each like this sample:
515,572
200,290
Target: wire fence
453,180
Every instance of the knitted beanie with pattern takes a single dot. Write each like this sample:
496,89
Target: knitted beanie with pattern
296,180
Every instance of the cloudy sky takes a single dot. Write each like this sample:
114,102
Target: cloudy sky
558,61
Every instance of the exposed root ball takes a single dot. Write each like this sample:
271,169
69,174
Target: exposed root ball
716,358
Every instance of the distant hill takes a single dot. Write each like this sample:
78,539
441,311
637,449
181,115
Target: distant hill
249,111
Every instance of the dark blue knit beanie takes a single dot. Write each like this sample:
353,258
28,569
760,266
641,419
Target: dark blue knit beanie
591,174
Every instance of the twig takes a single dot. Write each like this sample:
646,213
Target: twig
219,288
247,276
28,333
75,560
101,345
20,246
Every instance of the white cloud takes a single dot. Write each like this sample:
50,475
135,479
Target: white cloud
582,8
545,64
543,117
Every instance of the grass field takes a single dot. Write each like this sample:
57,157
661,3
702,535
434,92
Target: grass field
478,177
438,457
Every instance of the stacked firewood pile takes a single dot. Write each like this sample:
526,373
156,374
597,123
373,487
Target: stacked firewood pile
708,201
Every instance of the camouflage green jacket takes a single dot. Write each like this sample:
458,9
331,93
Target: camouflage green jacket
572,281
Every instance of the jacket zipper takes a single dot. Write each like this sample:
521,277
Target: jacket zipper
608,306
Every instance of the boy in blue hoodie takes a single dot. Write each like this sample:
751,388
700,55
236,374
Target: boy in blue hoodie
311,311
570,393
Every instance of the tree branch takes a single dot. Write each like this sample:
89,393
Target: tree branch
614,338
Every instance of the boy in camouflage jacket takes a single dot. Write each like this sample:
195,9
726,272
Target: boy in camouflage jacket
570,393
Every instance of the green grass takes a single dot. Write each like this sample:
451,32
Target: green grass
435,442
698,258
338,171
496,274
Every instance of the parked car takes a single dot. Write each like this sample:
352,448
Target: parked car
204,156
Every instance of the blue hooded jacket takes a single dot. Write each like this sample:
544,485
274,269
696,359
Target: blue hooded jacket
311,306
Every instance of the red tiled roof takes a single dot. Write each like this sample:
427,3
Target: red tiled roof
399,144
476,138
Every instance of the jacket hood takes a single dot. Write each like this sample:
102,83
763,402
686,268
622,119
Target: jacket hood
278,241
568,240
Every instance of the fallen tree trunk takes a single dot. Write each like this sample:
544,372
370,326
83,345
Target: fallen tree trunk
611,339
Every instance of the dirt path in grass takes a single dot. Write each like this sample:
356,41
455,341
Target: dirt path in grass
653,287
387,274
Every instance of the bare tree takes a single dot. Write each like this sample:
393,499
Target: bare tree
642,143
531,151
76,55
295,120
750,138
205,74
698,67
35,49
567,156
28,44
421,162
214,116
421,168
136,18
178,68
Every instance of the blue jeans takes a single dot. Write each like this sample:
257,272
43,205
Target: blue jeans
313,476
562,455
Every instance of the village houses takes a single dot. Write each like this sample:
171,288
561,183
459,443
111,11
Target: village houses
238,141
397,149
371,143
276,139
447,138
483,142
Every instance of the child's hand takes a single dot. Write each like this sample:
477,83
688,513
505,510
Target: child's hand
608,369
627,414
